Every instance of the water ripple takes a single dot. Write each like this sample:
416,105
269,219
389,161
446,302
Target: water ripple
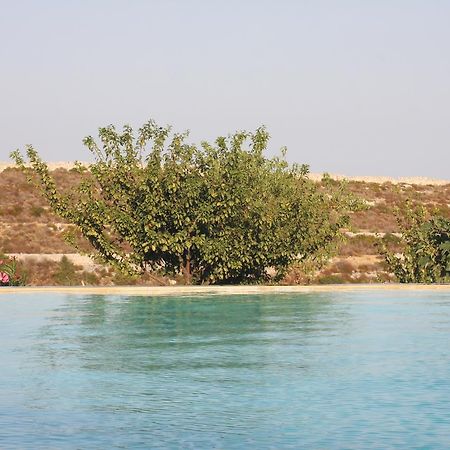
350,370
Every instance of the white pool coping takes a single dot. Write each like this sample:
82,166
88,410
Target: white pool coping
156,291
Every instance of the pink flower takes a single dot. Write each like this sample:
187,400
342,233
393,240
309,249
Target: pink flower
4,277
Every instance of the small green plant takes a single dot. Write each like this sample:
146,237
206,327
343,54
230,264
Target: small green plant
66,273
37,211
69,274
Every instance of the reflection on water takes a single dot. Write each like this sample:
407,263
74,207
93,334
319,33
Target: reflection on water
141,334
301,371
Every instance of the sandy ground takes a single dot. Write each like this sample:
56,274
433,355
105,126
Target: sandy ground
89,265
51,165
357,261
314,176
80,260
156,291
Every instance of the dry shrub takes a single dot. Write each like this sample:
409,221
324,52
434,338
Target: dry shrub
359,245
362,278
13,211
374,222
341,267
39,272
33,238
331,279
368,267
344,267
37,211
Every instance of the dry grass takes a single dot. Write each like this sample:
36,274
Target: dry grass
383,199
31,237
361,245
354,270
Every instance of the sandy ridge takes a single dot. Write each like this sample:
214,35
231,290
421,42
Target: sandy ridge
313,176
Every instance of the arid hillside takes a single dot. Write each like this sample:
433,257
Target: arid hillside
34,235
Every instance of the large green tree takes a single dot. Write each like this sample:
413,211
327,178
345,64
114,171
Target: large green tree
217,213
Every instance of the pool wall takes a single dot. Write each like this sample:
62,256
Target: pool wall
221,290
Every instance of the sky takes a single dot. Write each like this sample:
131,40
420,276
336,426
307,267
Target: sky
350,87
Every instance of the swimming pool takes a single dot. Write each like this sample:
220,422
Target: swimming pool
328,370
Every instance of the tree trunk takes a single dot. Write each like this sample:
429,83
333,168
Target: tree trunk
187,270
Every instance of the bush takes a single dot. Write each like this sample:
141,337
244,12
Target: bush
69,274
359,245
66,274
426,254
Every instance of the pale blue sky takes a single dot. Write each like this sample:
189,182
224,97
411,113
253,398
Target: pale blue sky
352,87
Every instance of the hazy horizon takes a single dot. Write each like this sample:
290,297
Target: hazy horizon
355,88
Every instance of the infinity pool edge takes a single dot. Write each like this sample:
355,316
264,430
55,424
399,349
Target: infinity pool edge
227,290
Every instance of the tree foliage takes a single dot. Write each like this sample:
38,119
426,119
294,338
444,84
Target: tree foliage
218,213
426,255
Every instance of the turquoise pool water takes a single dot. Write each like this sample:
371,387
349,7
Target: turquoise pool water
345,370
